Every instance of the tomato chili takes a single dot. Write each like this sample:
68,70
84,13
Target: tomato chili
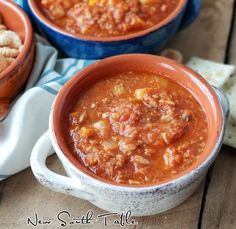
105,18
137,128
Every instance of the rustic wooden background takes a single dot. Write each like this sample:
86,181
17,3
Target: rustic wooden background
213,205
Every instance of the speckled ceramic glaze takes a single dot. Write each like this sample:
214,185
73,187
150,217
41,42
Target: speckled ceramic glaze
147,41
13,78
142,200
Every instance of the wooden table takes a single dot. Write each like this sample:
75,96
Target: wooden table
213,205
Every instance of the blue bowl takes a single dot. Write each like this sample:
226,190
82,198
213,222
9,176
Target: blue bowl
147,41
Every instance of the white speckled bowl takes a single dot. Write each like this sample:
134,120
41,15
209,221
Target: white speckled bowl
142,200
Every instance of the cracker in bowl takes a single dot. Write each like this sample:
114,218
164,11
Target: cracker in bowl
10,46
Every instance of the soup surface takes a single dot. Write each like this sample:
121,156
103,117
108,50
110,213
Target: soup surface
105,18
137,128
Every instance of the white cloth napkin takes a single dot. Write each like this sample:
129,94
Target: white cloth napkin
28,117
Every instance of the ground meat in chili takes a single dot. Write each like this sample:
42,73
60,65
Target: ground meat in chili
104,18
137,128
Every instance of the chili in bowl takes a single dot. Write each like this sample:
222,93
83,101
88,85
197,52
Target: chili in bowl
93,29
133,132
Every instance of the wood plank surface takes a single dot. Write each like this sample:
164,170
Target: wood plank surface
21,196
220,210
207,37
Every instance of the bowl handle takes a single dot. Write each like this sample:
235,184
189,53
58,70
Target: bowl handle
50,179
223,100
191,13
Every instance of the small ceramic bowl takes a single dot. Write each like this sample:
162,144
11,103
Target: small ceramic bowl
13,78
146,41
145,200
